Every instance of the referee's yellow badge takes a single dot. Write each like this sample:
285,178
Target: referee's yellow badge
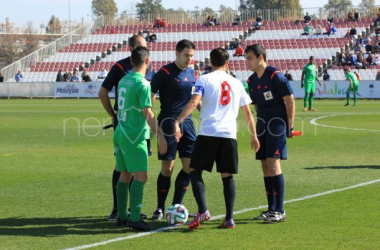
268,95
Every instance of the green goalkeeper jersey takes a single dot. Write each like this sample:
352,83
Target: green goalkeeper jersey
310,73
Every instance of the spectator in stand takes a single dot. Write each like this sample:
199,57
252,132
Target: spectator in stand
359,60
328,29
359,39
163,23
237,20
207,69
378,75
86,77
318,31
147,38
330,18
356,15
368,60
234,43
334,30
67,76
59,77
307,18
197,73
349,60
1,77
307,30
239,51
342,59
357,75
326,76
357,48
367,43
377,20
18,76
375,60
350,17
150,37
347,34
259,20
375,47
102,74
377,30
157,23
353,32
207,22
288,75
214,20
377,39
84,72
75,77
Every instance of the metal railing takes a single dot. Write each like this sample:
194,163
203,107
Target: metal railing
25,63
229,16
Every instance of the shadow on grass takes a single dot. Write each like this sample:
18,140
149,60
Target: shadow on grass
49,227
345,167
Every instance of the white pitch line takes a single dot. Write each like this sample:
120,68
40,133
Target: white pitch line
138,235
314,122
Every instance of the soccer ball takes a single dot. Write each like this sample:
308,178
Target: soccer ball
176,214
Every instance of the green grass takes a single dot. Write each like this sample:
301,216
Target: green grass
55,182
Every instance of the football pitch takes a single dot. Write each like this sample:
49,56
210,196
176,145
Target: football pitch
55,183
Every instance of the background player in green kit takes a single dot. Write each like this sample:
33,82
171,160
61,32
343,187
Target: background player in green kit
353,87
134,115
309,74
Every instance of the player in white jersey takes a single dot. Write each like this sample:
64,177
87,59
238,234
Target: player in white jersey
221,96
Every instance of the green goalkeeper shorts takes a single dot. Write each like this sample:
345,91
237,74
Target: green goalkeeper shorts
354,89
310,88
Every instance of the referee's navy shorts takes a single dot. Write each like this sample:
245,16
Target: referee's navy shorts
272,137
186,144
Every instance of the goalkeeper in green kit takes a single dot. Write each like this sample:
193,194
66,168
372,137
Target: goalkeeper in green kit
308,78
134,115
353,87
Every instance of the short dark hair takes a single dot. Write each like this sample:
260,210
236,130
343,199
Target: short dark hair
138,56
346,69
257,50
132,40
218,57
181,45
311,58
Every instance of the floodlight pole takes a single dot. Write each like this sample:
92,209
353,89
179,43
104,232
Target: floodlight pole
69,17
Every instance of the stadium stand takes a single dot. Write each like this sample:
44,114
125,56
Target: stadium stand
285,48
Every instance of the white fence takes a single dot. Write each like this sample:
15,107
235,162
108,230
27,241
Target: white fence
330,89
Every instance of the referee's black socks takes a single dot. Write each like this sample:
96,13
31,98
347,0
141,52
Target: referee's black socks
181,183
279,187
269,190
115,179
163,186
229,195
198,190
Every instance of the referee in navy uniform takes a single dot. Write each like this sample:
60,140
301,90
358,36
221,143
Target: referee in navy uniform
272,97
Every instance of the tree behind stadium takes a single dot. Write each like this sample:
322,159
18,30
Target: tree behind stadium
337,4
149,7
104,7
270,7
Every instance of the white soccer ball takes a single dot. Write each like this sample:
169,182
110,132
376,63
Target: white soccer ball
176,214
